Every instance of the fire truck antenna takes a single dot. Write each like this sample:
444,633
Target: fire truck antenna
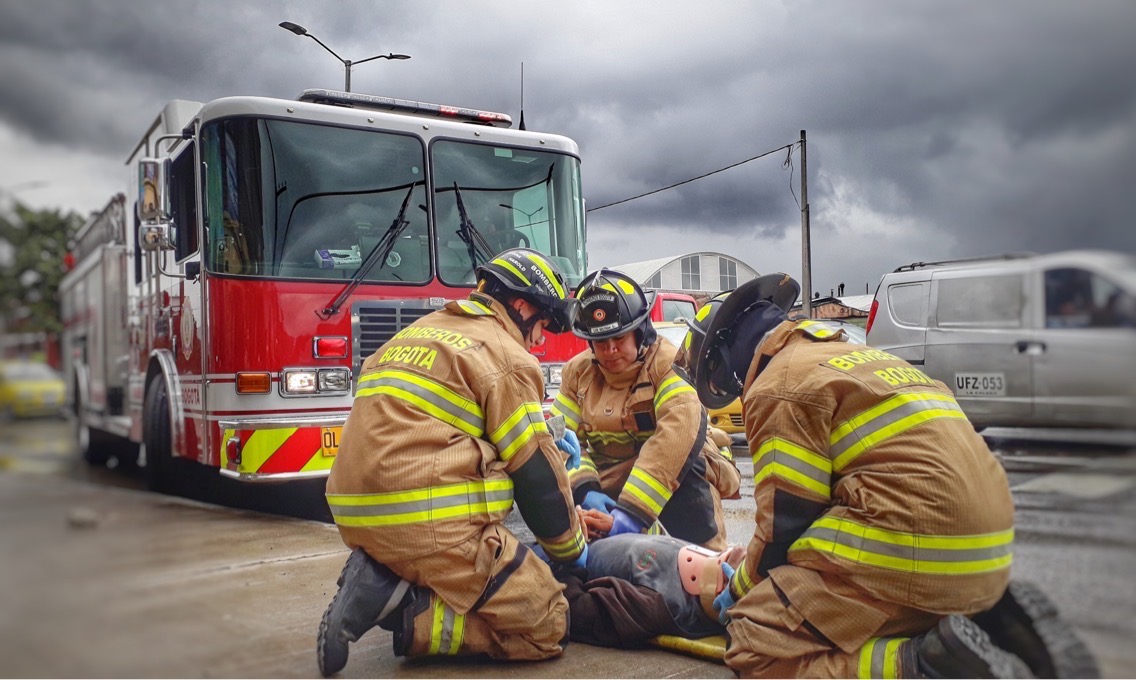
522,125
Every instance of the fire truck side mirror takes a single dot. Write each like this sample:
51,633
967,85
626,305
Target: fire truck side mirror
152,195
153,211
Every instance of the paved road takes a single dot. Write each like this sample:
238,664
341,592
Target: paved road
101,578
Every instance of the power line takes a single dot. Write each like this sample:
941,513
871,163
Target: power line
687,181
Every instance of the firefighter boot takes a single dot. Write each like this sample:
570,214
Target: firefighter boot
369,594
958,648
1025,622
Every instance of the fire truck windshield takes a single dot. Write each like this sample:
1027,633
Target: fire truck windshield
288,199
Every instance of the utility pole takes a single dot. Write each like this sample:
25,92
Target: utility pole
806,255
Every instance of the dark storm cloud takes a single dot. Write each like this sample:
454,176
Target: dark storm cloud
935,129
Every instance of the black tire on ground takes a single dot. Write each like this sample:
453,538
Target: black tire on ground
157,436
94,445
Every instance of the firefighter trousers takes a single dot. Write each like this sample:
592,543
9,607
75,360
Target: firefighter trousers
770,638
489,595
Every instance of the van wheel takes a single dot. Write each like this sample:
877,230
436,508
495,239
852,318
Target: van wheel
157,436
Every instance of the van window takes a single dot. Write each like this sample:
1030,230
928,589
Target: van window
907,303
1077,298
980,301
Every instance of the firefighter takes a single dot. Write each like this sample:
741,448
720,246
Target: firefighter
882,518
445,434
648,458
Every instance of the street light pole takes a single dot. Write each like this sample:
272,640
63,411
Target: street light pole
347,63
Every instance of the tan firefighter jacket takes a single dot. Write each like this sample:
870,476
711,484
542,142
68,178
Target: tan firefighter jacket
444,414
639,428
867,468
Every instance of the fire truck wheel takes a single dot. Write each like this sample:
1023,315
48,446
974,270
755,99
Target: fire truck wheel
157,436
93,445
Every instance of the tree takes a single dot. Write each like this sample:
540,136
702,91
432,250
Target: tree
36,241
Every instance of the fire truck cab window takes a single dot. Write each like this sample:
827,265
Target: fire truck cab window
509,197
183,204
307,201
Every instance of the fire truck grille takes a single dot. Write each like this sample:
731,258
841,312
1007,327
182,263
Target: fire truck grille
375,322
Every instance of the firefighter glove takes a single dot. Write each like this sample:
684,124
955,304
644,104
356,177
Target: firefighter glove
624,523
725,599
598,500
570,445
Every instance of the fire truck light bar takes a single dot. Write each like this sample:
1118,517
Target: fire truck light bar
370,101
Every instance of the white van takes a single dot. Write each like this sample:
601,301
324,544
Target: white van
1022,340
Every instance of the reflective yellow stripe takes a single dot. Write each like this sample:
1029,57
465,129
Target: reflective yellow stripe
650,491
447,629
540,263
480,498
565,549
599,439
908,552
563,406
742,583
879,658
885,420
816,329
586,464
726,452
476,308
671,387
428,396
793,463
518,429
509,265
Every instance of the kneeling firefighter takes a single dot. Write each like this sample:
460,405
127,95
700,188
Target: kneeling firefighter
883,522
445,434
648,457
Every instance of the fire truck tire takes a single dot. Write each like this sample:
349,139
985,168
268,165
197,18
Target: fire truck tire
157,436
93,444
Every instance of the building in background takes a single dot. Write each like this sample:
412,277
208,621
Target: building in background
701,275
851,308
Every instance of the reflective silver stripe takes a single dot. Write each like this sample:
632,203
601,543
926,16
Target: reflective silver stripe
886,419
393,508
447,630
430,397
909,552
475,308
563,406
647,489
671,387
795,464
879,658
518,429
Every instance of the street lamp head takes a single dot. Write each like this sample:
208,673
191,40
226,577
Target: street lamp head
295,28
398,56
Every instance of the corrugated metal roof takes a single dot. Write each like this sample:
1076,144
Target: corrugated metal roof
641,272
860,302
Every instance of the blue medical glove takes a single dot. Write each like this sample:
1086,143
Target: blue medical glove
725,599
540,553
571,445
598,500
624,523
581,561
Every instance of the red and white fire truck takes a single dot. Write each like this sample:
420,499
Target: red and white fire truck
220,310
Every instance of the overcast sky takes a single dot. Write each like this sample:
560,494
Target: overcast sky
935,129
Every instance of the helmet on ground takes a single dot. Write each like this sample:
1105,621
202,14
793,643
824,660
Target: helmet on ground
534,277
727,330
611,305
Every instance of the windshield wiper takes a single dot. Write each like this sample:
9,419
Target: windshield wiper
474,241
378,254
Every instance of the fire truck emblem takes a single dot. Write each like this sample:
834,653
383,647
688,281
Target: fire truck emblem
187,329
599,314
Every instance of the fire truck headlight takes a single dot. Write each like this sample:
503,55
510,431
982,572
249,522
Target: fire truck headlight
334,380
299,381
